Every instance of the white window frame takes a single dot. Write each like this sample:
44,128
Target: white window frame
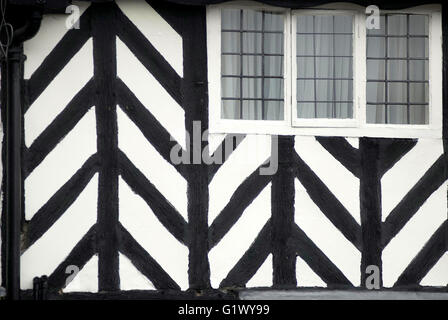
214,74
356,127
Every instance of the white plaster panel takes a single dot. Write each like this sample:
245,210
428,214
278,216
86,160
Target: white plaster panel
225,255
52,30
245,159
306,277
151,93
131,278
341,182
264,275
354,142
158,171
86,280
59,93
326,236
143,225
61,164
400,179
438,275
399,253
161,35
43,257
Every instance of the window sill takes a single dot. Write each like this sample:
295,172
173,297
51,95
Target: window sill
283,128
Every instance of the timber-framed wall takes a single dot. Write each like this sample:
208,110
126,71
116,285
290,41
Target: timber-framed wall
109,32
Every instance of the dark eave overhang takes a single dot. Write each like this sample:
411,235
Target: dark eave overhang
58,6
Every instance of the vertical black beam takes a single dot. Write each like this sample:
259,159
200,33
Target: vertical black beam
194,93
104,54
370,202
282,206
12,95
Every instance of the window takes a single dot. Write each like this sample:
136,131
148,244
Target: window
397,70
321,72
252,64
323,47
324,66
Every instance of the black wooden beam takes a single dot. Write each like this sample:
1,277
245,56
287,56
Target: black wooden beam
195,104
282,220
330,206
105,71
433,250
58,128
12,70
414,199
164,211
149,57
243,196
84,250
370,202
58,58
153,131
142,260
305,248
55,207
251,261
342,151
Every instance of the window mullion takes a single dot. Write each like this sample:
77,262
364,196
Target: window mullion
314,68
241,64
408,109
360,73
263,116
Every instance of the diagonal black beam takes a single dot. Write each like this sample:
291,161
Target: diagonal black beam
79,256
342,151
316,259
171,13
153,131
251,261
328,203
143,261
60,202
58,128
235,140
59,57
414,199
163,210
392,150
243,196
426,258
145,52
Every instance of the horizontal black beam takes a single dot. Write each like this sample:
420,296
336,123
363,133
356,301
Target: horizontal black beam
47,6
58,5
138,295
